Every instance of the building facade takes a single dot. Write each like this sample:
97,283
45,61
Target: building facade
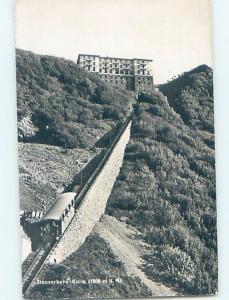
130,74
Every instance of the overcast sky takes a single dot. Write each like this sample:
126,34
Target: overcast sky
176,34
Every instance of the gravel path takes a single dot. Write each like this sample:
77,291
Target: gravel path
123,242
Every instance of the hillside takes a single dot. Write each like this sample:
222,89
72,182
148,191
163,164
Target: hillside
166,187
94,260
191,95
45,171
61,104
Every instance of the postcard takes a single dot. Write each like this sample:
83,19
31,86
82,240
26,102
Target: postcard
116,148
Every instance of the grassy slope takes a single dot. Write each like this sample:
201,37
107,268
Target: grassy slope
67,104
59,104
93,260
166,189
191,95
166,186
45,171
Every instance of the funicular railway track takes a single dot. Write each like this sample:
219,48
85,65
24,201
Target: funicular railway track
36,265
34,268
107,154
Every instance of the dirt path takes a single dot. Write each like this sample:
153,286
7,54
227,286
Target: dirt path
129,250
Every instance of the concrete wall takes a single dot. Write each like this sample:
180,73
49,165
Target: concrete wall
93,205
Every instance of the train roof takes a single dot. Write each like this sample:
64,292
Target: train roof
56,210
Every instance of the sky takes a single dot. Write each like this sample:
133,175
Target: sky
176,34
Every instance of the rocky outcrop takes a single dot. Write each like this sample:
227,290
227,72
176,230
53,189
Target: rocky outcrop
26,129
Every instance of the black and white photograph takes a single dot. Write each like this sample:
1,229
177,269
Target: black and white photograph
116,148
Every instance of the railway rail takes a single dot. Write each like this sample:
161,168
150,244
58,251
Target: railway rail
34,268
87,185
36,265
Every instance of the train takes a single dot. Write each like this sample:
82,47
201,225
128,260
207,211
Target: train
54,222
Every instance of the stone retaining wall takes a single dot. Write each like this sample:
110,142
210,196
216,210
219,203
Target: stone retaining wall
93,205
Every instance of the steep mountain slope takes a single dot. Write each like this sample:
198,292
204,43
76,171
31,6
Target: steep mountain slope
45,171
191,95
96,271
123,242
61,104
166,189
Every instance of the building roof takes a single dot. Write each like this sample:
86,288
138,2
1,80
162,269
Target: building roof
110,57
56,210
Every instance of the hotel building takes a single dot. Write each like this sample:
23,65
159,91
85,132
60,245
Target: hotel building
130,74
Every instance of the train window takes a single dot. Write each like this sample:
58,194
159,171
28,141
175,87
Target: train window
72,201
